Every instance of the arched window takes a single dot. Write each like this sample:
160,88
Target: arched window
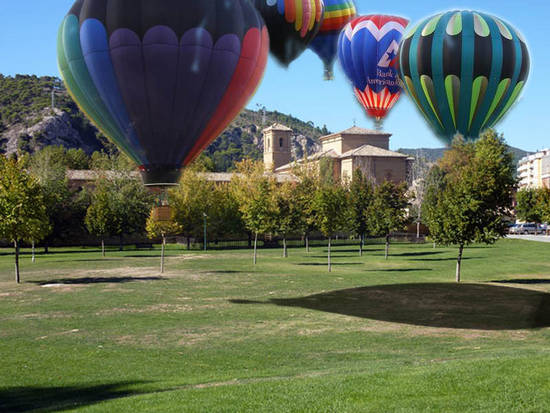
280,142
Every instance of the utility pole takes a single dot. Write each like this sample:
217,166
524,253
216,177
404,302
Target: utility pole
204,216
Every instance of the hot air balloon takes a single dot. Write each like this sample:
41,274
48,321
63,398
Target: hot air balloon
368,50
162,78
292,25
337,14
464,70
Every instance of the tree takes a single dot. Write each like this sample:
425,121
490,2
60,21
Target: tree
157,227
22,210
120,205
361,194
469,194
530,205
388,211
305,190
254,193
194,197
330,206
287,211
49,166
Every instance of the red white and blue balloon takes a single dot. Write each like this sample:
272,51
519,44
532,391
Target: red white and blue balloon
368,50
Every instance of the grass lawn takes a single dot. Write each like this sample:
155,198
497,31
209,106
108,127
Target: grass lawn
88,334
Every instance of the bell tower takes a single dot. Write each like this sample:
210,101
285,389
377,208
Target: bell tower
277,141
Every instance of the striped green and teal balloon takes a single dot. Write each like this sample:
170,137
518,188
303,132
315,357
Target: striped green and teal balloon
464,70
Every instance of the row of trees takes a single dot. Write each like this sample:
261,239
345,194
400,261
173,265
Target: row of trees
467,199
533,205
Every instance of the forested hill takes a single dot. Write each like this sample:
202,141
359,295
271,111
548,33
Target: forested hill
434,154
28,123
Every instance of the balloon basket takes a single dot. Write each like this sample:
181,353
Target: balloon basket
162,213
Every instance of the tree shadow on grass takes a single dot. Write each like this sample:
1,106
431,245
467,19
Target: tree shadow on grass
447,259
401,270
96,280
56,399
324,264
528,281
462,306
418,253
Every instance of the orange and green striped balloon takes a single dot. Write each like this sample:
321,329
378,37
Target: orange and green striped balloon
464,70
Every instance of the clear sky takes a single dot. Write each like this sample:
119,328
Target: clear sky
28,30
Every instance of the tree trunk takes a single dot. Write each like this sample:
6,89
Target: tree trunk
329,262
307,243
285,251
434,245
418,230
387,246
17,278
162,254
255,247
102,247
459,262
46,249
361,245
33,253
121,244
188,243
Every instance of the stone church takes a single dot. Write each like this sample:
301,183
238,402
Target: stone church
352,149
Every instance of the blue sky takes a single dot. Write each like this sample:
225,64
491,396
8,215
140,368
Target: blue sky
28,30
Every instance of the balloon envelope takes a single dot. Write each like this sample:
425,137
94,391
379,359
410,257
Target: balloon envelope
162,78
367,49
292,25
337,14
464,70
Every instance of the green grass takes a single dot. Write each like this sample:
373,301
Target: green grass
88,334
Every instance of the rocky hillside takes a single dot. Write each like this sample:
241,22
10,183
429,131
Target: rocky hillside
28,122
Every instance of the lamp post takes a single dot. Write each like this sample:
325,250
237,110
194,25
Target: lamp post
204,216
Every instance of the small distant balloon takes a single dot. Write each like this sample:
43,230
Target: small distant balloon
464,70
292,25
162,78
368,51
337,14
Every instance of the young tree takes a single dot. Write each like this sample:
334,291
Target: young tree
49,166
388,211
191,200
158,227
254,192
287,212
530,205
120,205
22,211
305,190
330,206
361,194
469,194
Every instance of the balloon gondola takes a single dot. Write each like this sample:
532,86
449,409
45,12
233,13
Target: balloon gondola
368,51
464,70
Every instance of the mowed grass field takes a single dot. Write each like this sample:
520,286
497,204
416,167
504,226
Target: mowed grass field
215,334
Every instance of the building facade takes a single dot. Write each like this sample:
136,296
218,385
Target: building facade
354,148
534,170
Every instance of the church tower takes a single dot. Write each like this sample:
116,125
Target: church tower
277,141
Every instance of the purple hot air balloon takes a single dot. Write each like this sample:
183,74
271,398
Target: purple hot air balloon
162,78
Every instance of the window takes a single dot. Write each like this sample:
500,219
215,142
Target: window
280,142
